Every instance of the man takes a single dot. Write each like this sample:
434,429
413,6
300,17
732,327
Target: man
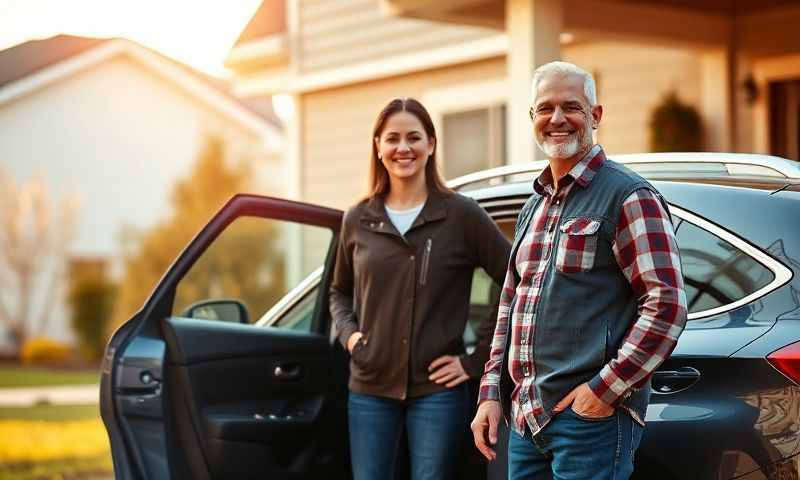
592,303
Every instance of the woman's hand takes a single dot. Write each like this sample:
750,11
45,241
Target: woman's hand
447,369
351,342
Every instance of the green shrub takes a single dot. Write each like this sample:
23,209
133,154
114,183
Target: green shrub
675,127
44,351
91,299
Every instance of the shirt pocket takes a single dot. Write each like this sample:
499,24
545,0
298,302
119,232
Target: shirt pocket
577,245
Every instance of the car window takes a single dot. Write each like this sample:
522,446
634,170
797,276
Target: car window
299,315
716,273
249,267
484,295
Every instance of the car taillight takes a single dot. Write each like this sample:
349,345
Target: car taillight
787,361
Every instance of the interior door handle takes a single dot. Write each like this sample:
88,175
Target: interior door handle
287,371
673,381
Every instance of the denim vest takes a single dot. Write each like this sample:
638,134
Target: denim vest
582,317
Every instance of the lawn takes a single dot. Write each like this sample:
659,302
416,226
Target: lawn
11,377
53,442
50,412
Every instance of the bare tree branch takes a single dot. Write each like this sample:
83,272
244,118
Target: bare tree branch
33,250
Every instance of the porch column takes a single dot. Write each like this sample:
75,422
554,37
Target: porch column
717,99
533,28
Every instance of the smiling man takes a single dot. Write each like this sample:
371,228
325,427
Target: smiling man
593,301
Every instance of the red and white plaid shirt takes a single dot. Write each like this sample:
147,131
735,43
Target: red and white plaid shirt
647,254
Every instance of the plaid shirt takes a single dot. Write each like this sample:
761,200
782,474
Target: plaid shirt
647,254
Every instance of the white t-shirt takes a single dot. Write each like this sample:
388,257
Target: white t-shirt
402,219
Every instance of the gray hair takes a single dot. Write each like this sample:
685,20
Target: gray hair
564,68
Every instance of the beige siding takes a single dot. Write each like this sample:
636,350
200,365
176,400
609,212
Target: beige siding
337,33
632,80
337,126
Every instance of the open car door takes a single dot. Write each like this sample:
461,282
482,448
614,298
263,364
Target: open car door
222,374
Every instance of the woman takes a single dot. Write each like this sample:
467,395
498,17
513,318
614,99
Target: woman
400,298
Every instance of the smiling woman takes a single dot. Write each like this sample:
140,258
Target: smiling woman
420,242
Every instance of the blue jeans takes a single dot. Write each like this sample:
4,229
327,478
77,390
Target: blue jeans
572,447
436,426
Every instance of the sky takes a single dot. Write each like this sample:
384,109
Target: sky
199,33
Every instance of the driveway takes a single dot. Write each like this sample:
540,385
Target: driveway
61,395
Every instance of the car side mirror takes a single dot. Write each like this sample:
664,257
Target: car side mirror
225,310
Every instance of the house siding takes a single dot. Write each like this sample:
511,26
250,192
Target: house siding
631,81
337,127
338,33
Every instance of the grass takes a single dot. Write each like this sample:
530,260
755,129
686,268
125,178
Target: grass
50,412
11,377
95,468
53,442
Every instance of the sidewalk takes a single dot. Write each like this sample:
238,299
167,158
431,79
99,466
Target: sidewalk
63,395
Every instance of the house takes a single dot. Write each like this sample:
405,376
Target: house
334,63
117,124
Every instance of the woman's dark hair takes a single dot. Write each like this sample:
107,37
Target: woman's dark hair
378,176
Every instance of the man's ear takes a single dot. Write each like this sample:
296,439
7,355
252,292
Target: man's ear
597,114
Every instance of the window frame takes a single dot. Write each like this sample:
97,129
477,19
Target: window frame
782,274
463,98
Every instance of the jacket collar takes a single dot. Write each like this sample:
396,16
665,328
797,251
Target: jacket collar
374,214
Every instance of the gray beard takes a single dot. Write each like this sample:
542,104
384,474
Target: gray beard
561,150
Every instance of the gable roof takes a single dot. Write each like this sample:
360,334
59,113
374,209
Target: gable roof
32,65
269,19
26,58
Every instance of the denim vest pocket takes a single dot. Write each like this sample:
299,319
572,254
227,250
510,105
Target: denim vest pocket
577,245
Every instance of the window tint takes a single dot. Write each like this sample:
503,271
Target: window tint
716,273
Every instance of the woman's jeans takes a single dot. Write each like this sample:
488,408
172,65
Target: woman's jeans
572,447
436,426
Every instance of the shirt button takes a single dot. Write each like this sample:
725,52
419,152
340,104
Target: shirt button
411,258
405,341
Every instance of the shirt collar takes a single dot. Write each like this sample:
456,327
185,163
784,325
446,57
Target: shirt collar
582,173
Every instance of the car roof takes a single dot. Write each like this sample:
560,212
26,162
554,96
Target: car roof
751,170
755,214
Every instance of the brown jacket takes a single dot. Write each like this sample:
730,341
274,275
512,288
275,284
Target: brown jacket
409,296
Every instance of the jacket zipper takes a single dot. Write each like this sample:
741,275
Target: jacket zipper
423,276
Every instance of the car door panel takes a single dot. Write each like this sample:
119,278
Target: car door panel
250,421
216,399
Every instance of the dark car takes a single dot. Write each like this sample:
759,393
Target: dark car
192,389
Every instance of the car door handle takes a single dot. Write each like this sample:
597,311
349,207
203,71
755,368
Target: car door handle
287,371
674,381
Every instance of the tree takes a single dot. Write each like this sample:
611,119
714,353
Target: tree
35,234
234,266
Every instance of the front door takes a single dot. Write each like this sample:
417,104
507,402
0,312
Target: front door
784,118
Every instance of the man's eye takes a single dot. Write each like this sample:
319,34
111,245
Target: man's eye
573,108
544,109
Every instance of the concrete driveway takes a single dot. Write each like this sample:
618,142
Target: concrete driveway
61,395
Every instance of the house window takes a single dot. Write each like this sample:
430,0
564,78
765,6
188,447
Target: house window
473,140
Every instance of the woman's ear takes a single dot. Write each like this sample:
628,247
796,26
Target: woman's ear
378,147
431,145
